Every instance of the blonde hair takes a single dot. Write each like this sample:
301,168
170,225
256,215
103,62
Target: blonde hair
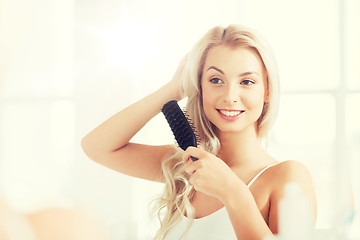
176,199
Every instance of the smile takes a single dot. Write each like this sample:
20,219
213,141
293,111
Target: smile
230,114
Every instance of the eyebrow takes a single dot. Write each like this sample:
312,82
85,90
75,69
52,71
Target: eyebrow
217,69
240,75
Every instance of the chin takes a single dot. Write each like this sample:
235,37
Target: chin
235,129
229,129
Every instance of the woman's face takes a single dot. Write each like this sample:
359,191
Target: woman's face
233,91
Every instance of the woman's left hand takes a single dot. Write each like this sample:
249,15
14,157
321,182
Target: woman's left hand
210,174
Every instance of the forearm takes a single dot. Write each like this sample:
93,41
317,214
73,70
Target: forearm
244,214
117,131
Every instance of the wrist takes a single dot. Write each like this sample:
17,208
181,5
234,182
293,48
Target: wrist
173,91
234,192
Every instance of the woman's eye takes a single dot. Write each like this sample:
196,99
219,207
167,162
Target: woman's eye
247,82
216,80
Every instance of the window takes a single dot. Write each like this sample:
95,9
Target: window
316,44
37,110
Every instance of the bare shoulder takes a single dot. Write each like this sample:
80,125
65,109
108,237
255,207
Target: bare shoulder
292,171
279,176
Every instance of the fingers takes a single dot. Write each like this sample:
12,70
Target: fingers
191,168
192,153
196,171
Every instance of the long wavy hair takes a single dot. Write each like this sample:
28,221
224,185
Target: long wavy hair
176,198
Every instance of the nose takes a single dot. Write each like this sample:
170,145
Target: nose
232,94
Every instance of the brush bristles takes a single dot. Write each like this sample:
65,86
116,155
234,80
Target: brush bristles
192,126
180,124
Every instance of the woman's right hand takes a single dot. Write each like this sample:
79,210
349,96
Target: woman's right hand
176,82
109,143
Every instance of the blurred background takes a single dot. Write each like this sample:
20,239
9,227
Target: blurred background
67,65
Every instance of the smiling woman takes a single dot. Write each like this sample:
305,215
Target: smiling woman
231,82
66,65
235,87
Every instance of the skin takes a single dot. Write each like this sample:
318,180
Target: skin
233,79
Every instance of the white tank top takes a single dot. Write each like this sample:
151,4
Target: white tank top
216,226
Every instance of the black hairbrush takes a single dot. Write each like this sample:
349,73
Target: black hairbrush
180,126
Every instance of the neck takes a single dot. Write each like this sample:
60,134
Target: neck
239,149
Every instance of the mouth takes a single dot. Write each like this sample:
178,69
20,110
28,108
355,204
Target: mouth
230,114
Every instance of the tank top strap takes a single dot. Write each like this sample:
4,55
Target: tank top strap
259,174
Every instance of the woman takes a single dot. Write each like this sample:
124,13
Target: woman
231,82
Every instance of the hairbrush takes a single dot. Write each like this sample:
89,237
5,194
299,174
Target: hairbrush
180,125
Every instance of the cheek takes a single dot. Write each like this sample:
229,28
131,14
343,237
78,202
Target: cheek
254,101
209,100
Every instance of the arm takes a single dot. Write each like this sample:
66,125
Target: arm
240,204
244,213
108,144
239,198
212,176
283,173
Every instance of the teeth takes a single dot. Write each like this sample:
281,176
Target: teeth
230,113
